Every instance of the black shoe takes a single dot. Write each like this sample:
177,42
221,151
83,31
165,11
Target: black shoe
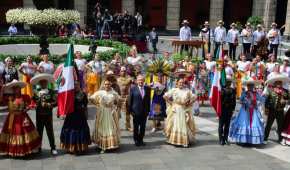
142,143
222,142
137,144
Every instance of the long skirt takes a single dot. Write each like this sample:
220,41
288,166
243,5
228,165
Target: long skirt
180,127
242,130
239,76
93,83
107,133
27,90
286,129
75,133
158,108
19,136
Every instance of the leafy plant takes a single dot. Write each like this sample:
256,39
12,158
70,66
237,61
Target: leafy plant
255,20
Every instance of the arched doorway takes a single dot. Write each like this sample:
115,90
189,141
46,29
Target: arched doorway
153,12
281,12
237,11
195,11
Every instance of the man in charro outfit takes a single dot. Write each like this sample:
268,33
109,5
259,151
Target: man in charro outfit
124,81
276,99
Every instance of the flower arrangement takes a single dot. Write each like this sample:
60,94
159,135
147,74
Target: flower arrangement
49,17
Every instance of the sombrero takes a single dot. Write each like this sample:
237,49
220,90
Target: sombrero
206,23
250,80
248,24
15,83
278,77
285,59
233,24
273,24
43,76
181,73
220,22
185,22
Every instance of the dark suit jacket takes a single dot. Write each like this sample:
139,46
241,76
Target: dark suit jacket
138,106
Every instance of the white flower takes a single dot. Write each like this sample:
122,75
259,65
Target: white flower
50,17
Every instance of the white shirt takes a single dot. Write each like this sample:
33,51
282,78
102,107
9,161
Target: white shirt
243,65
2,67
142,92
12,30
274,36
247,35
257,36
233,35
210,65
229,71
139,20
220,34
97,66
270,67
47,67
185,33
135,60
81,63
285,70
28,68
205,33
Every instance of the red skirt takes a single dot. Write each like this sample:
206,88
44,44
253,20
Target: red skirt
19,136
286,128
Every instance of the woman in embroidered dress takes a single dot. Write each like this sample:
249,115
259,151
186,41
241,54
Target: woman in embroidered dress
75,133
158,106
46,66
19,136
180,127
247,126
242,68
28,70
10,72
107,132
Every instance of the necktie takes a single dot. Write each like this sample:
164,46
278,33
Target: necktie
142,91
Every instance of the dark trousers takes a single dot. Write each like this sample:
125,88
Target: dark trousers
139,123
279,116
232,51
154,46
184,48
274,49
254,50
216,47
224,125
246,48
45,121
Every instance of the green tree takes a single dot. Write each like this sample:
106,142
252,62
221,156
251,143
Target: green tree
255,20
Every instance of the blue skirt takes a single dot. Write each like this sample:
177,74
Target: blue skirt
242,132
157,108
75,133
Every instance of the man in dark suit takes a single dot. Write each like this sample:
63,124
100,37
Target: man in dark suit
139,106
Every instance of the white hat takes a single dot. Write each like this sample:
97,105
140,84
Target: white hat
42,76
15,83
278,77
273,24
182,73
285,59
206,23
185,21
220,22
123,68
250,80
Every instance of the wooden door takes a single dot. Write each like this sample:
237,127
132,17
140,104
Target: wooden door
5,5
157,13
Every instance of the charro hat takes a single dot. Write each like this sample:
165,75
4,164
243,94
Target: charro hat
185,21
181,73
43,76
206,23
8,88
250,80
278,77
220,22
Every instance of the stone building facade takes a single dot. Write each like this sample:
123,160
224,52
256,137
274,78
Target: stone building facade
168,14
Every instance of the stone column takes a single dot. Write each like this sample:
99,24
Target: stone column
81,6
128,5
173,15
287,24
269,13
216,11
258,8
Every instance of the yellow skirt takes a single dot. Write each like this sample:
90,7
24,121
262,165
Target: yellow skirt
93,82
27,90
239,76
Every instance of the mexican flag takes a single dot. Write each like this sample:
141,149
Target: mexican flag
219,80
65,97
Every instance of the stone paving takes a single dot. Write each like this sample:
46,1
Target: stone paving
205,154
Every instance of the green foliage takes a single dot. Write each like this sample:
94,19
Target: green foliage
119,47
178,57
239,25
255,20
